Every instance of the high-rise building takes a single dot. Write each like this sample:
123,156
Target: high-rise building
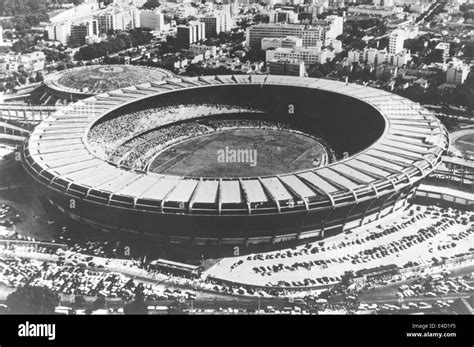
444,48
79,32
59,31
457,72
333,26
324,29
212,24
218,21
226,18
191,33
117,18
396,41
312,35
256,33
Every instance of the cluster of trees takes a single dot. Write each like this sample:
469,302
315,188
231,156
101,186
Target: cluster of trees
24,22
467,10
318,70
197,70
25,44
460,96
357,27
32,300
115,44
13,8
19,78
151,4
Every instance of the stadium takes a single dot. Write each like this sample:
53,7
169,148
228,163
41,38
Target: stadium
144,159
75,84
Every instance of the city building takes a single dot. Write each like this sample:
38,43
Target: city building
376,57
80,32
397,38
331,27
191,33
59,31
206,51
286,42
212,25
375,10
457,72
313,35
282,16
8,64
310,55
216,22
256,33
444,48
287,67
396,41
32,62
72,26
117,18
383,3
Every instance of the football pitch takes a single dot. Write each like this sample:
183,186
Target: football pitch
240,153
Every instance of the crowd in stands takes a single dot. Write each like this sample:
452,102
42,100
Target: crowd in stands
107,136
136,153
146,147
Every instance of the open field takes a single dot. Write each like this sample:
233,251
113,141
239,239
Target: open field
276,152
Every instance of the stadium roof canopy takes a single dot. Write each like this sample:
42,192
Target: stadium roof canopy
410,147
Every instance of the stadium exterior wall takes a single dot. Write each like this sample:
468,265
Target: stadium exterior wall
321,215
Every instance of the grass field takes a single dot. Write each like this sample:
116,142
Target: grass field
277,152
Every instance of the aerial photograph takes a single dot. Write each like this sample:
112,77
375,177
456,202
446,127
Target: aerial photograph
272,157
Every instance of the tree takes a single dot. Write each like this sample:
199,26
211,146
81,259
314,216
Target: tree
10,85
177,307
79,301
32,300
22,80
136,306
151,4
61,66
99,303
